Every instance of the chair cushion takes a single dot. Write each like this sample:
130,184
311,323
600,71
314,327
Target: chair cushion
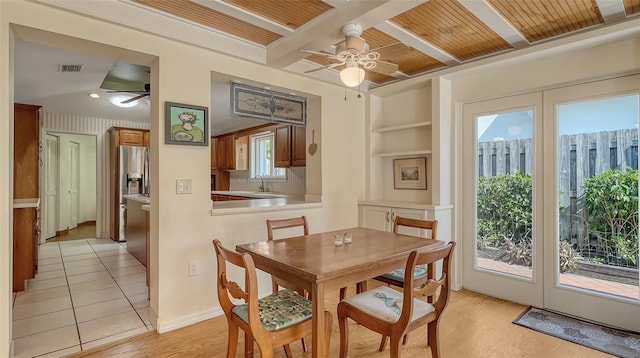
398,274
384,303
279,310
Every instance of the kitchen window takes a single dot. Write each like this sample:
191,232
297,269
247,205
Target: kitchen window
263,157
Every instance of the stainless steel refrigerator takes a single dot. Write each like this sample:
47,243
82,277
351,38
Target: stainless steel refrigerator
134,179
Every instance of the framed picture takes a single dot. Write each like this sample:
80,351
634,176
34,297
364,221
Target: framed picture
186,124
259,103
410,173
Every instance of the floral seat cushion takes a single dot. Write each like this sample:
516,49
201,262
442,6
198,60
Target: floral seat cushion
278,310
385,303
398,274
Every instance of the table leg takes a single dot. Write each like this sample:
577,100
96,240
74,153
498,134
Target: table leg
318,321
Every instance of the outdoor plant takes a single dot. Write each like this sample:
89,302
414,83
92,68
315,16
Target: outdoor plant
611,200
505,216
568,257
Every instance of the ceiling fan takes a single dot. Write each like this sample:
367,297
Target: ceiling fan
355,55
125,77
144,93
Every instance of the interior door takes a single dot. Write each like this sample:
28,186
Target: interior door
51,187
591,155
74,177
501,188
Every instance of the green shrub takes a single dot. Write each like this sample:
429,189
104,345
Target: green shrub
611,200
504,209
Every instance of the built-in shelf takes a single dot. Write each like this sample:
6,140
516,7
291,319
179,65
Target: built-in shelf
401,154
401,127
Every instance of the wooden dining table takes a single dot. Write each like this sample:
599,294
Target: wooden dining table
315,263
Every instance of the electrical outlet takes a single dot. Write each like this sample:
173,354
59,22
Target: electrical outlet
193,268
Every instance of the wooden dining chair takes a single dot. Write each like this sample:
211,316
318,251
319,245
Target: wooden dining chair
396,277
272,321
392,313
276,283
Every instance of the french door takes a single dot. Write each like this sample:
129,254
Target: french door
551,200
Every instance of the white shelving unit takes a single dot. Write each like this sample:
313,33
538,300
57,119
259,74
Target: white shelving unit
402,127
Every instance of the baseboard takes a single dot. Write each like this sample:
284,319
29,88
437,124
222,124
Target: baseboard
188,320
11,353
90,222
62,232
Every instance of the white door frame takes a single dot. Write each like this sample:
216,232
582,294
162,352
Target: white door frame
600,307
509,287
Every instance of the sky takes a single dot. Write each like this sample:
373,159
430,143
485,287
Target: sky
590,116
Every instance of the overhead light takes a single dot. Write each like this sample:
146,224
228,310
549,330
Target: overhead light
352,75
94,95
117,100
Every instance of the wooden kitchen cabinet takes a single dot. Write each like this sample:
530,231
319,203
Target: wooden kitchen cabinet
290,146
25,246
26,151
232,153
214,154
226,150
241,149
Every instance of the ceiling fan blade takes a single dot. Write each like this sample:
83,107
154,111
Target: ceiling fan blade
397,49
134,98
325,67
355,42
385,68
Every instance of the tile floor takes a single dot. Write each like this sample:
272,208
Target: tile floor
87,292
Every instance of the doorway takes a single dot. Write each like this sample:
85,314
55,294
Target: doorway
70,179
555,199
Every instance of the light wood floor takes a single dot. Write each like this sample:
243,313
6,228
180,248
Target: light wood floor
83,231
473,325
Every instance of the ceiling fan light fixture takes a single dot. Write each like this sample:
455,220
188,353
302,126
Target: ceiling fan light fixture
352,75
94,95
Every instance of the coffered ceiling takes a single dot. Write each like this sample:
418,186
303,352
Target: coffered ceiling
440,33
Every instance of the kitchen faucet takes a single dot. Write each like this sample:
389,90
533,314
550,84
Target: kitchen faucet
261,187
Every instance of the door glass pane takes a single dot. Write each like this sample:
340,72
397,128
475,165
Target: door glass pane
598,195
504,193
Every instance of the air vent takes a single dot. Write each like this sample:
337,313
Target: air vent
70,68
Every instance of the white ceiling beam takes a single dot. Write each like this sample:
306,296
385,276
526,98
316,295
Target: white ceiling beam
496,22
244,15
417,43
131,14
611,10
324,31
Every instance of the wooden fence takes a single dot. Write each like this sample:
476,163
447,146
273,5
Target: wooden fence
581,156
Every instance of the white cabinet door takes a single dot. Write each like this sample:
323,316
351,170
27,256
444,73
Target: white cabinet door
375,217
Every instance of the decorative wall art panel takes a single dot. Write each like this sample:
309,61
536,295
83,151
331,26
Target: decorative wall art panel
254,102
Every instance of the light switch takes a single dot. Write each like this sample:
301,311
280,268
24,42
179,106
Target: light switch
183,186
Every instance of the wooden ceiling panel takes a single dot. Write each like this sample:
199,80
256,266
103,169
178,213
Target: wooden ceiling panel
292,14
542,19
411,63
214,19
452,28
631,7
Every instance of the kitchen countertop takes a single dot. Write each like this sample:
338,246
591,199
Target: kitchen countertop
250,194
284,202
144,199
26,203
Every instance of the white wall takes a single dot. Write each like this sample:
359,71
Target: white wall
181,226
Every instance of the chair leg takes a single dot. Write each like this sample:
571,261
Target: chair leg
405,339
304,345
232,344
432,338
383,343
394,348
344,332
248,345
